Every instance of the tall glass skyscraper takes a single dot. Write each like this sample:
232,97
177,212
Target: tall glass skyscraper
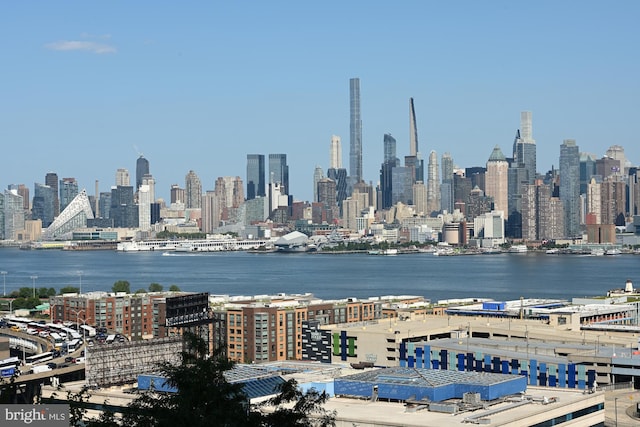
142,169
43,204
279,171
255,176
51,179
68,191
570,186
355,127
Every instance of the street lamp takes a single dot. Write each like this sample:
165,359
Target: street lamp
4,281
79,273
33,278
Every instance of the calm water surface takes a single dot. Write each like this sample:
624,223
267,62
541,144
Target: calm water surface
504,276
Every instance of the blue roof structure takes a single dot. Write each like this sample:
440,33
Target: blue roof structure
434,385
256,382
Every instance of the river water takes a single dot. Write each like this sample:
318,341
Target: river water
501,277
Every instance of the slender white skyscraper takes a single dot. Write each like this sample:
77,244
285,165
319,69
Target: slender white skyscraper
355,126
335,153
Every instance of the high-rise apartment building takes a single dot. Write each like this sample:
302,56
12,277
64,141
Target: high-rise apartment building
433,184
497,180
613,198
144,207
142,169
524,153
51,179
68,191
420,197
43,204
279,172
339,176
192,191
318,174
390,149
355,132
210,212
255,176
570,186
230,195
177,194
13,214
124,211
446,190
122,177
335,153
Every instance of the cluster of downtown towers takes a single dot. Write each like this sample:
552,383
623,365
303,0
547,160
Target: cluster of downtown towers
555,205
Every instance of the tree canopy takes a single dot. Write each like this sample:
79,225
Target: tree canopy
121,286
204,397
155,287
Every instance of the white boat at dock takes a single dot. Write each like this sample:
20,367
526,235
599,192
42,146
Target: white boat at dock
200,245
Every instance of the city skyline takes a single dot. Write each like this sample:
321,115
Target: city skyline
108,85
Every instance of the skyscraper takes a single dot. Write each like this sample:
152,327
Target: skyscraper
355,135
318,174
51,179
279,172
144,207
413,130
570,186
68,191
335,153
13,214
255,176
524,154
415,160
142,169
389,148
122,177
192,191
446,190
433,184
43,204
497,180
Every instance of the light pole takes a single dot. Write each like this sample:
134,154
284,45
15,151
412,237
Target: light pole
79,273
33,278
4,282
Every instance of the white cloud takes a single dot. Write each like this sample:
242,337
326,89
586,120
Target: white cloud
86,46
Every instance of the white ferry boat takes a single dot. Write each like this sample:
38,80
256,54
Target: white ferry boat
201,245
146,245
518,249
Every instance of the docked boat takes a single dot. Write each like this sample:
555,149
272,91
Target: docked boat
390,251
613,251
518,249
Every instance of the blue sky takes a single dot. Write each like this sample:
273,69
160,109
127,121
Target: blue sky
85,86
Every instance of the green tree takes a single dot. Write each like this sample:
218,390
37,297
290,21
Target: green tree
204,398
155,287
141,291
121,286
69,290
174,288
